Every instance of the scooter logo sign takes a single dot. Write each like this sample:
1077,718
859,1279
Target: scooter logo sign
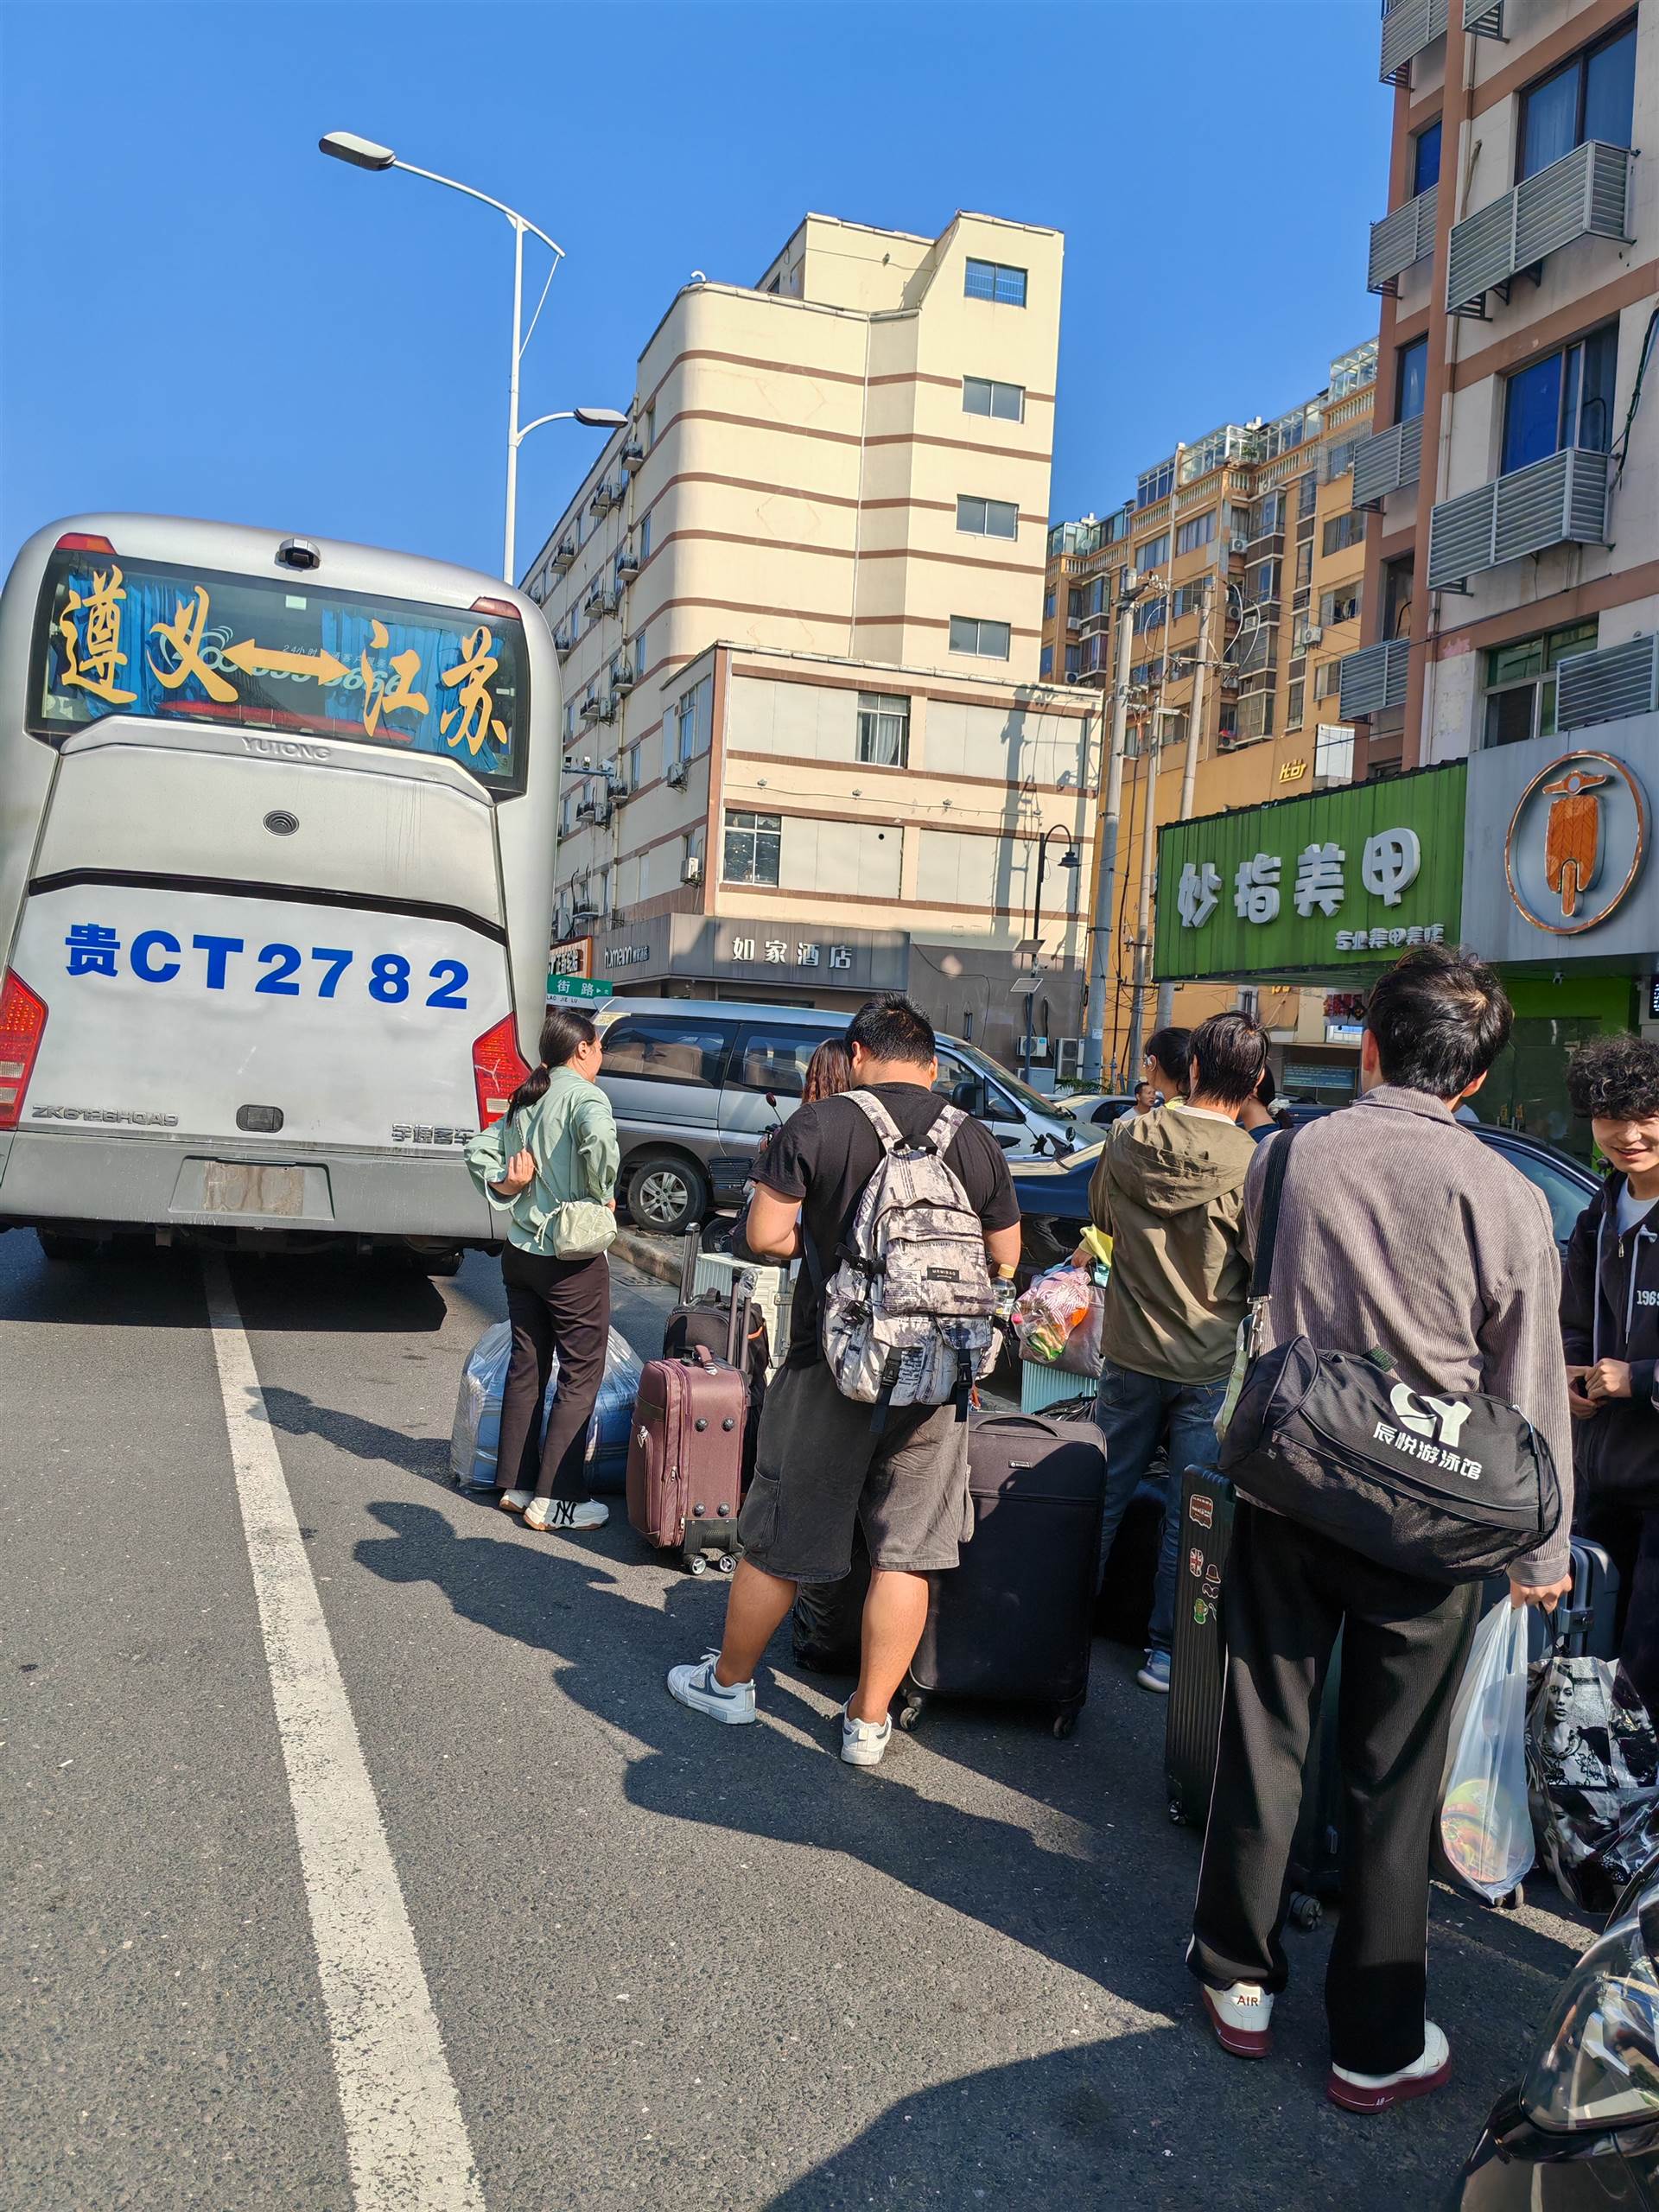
1576,843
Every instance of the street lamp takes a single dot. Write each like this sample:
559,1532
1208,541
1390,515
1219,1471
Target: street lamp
364,154
1070,858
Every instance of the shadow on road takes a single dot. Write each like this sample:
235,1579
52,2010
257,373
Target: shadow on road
124,1287
336,1293
295,1415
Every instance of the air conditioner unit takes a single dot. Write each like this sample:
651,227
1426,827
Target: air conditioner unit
1238,545
692,872
600,809
605,496
1068,1059
624,676
675,774
587,811
563,644
632,455
627,562
1310,634
564,557
590,708
606,711
587,915
617,918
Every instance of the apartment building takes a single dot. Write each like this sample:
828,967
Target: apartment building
1253,521
798,608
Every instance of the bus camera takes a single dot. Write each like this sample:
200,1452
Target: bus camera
298,553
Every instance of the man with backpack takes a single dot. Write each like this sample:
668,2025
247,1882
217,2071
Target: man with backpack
1409,1247
901,1206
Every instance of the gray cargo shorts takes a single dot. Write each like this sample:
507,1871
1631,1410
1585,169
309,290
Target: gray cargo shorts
820,1468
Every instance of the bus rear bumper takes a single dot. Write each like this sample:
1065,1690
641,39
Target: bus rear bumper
96,1185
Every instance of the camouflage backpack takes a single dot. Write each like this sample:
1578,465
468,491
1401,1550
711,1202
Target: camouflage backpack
906,1314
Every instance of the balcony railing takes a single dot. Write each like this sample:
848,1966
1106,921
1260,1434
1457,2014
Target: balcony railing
1388,461
1373,678
1609,685
1585,194
1408,27
1402,239
1561,500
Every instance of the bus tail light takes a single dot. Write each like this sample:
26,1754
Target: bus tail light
503,609
498,1069
23,1025
80,541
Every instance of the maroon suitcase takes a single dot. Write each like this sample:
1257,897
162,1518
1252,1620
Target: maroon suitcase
685,1452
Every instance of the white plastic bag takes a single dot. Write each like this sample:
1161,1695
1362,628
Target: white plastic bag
1485,1819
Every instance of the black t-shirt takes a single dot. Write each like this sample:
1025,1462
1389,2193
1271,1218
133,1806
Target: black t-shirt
827,1153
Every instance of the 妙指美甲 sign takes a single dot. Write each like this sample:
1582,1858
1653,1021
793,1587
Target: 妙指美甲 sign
1340,879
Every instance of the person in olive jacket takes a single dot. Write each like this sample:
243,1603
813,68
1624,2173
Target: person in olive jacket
1609,1330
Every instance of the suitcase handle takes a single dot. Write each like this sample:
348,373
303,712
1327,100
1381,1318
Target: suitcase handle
690,1253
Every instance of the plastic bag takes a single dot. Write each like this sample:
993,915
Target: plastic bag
1046,1314
1594,1766
476,1434
1485,1819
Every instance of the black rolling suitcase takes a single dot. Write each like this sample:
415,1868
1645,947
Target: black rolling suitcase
705,1319
1015,1622
1196,1662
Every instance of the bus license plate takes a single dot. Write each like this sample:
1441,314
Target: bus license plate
242,1187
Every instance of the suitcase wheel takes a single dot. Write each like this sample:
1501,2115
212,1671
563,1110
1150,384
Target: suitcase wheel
909,1712
726,1562
1306,1912
699,1562
1063,1724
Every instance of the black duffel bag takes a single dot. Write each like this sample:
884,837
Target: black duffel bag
1451,1485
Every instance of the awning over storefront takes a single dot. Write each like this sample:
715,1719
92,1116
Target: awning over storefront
1313,890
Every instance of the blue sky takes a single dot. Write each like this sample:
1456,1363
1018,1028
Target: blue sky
205,316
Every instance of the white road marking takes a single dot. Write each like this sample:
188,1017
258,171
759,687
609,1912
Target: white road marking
405,2136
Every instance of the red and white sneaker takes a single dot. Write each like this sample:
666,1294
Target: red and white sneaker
1377,2092
1240,2017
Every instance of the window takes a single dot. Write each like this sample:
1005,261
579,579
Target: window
1305,564
1267,516
1293,704
1566,399
668,1048
1045,662
984,396
687,725
1411,380
753,847
1592,96
776,1059
570,721
1096,596
1426,159
650,426
1307,495
1199,532
1341,531
1187,599
989,640
1048,604
1520,683
997,281
1262,582
1341,605
1074,660
643,537
1255,717
1147,673
1340,458
1327,679
1155,484
1154,554
1149,615
637,653
884,729
1074,604
988,518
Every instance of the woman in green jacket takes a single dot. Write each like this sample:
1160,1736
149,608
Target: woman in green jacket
550,1164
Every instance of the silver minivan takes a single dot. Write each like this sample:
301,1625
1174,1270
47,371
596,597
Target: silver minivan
690,1082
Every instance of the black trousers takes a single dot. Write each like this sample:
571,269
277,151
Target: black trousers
1405,1640
562,1305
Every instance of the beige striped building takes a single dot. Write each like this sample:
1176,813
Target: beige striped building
798,608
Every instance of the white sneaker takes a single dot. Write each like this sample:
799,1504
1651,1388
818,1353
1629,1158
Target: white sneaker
863,1741
1377,2092
515,1501
696,1686
543,1513
1240,2017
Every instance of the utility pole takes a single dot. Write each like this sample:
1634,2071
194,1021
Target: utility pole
1101,958
1150,746
1189,766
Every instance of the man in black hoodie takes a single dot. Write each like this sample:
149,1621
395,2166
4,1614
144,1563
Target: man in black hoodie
1610,1328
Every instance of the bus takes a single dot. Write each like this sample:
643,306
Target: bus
278,827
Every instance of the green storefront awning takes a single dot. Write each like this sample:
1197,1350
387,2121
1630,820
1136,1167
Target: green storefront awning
1339,880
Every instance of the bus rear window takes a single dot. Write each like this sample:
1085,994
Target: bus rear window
117,637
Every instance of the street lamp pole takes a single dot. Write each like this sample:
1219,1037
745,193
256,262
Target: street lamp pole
1102,956
1068,858
364,154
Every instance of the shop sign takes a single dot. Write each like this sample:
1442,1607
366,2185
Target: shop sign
573,959
1576,843
1334,879
1556,866
627,955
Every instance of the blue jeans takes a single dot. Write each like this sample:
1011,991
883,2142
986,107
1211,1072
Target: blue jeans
1137,1412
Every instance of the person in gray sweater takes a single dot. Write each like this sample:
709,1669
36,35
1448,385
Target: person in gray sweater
1397,1229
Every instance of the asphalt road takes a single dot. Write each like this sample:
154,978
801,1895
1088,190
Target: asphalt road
672,1966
